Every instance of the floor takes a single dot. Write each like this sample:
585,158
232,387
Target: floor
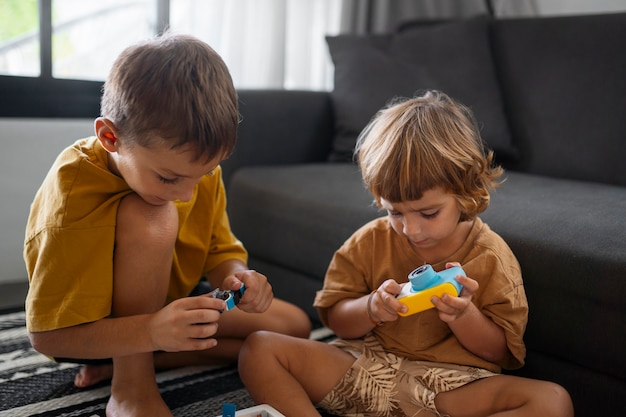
12,295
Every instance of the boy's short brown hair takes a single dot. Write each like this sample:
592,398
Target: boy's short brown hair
177,88
429,141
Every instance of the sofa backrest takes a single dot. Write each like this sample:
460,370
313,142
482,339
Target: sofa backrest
563,82
452,56
280,127
548,92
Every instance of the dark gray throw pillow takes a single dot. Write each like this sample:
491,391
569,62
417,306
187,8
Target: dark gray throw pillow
452,57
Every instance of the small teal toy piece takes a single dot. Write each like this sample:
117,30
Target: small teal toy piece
229,410
234,298
426,277
230,297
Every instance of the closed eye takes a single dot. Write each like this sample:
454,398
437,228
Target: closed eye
430,215
169,181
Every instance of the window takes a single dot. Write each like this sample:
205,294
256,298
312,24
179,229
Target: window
19,38
55,54
265,43
87,36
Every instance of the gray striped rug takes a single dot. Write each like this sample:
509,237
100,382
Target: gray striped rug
32,385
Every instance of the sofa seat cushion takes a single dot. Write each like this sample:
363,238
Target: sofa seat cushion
452,57
569,239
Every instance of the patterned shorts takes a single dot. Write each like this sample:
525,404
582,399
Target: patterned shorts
380,383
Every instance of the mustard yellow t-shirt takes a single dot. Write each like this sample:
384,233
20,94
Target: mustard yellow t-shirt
70,236
376,253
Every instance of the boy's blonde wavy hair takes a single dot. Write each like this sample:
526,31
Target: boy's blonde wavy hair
428,141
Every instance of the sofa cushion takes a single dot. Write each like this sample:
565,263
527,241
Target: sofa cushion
452,57
564,86
569,239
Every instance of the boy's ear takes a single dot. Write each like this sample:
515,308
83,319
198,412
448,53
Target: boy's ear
106,133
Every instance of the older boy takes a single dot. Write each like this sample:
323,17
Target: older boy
127,222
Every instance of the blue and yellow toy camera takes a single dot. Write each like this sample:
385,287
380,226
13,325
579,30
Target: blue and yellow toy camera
424,283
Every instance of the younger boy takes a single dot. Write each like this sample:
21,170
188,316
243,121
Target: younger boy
127,222
423,161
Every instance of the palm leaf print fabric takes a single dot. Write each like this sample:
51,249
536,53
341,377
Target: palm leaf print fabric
383,384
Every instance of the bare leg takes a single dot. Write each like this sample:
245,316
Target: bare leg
291,374
144,245
235,326
134,391
505,395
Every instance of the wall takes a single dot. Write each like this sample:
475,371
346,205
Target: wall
28,148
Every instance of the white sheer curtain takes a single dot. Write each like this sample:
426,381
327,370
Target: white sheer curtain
281,43
265,43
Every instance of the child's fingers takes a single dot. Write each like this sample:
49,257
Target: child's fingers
391,286
199,302
385,301
203,315
470,286
258,295
235,281
202,330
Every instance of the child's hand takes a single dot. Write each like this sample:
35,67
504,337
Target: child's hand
186,324
451,308
383,304
258,294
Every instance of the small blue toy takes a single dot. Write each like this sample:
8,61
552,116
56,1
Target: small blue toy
424,283
229,410
232,298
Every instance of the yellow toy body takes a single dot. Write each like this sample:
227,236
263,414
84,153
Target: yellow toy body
424,283
420,301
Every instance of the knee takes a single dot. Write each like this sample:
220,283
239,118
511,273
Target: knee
256,344
254,350
559,402
139,222
260,346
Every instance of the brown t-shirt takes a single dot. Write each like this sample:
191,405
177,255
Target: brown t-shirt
375,253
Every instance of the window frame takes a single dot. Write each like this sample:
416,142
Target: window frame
46,96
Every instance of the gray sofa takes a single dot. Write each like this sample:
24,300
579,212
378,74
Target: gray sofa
550,95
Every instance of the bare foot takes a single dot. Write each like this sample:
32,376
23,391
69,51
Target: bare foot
137,402
89,375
